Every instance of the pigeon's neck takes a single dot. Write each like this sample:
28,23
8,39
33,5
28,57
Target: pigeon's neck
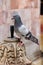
18,21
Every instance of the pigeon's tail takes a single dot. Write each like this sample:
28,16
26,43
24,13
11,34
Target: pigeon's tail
34,39
29,36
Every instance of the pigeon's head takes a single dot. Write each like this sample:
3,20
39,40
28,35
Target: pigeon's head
15,15
17,19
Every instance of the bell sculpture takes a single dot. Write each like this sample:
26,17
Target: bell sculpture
12,51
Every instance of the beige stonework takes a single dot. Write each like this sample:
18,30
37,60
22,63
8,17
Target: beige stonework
12,53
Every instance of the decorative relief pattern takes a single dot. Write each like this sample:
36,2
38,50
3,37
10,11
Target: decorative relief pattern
7,54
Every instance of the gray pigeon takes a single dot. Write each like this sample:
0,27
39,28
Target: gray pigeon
21,29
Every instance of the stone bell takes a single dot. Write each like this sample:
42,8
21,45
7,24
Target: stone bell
15,50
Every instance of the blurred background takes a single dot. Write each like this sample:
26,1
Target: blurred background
29,10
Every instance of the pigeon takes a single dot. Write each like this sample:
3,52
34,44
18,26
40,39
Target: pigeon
21,29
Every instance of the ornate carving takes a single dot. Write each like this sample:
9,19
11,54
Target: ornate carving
8,52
